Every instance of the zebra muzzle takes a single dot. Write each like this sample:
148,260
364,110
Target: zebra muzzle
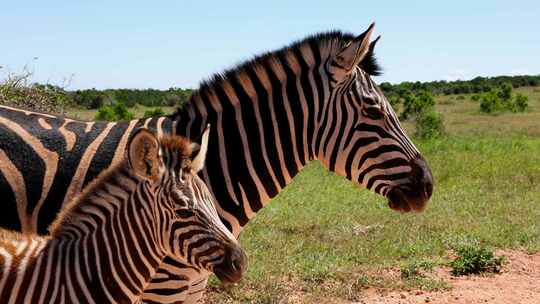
234,265
414,194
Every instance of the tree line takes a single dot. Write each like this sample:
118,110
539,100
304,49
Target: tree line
19,91
95,99
473,86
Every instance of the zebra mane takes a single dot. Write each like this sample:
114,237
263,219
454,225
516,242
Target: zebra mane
335,40
177,144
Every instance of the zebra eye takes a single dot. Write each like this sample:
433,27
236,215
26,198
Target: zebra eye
374,112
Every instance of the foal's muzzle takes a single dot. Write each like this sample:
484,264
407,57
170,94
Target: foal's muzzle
234,264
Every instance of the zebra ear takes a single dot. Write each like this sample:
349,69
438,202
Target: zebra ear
199,151
351,55
143,154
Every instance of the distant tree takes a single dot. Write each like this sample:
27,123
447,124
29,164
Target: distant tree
172,100
505,92
502,99
153,113
490,102
116,112
521,103
97,102
429,125
414,105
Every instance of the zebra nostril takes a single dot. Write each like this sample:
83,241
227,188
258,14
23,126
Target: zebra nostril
233,267
236,264
428,189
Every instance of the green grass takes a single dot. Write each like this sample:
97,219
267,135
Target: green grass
324,238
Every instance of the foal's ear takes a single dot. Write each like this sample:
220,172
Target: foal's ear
143,154
351,55
199,151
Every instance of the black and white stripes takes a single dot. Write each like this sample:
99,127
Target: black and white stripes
312,100
107,245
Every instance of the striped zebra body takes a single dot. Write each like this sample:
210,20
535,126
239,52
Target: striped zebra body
312,100
46,160
107,244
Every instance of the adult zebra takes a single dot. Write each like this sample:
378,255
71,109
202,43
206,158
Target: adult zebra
107,244
314,99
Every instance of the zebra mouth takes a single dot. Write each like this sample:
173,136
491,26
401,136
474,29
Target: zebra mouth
414,194
232,269
408,199
228,277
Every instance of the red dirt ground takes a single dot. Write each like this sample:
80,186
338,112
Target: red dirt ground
519,283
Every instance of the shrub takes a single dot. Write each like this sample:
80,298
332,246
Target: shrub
115,112
475,259
172,100
502,99
415,105
429,125
521,103
153,113
18,90
490,102
91,99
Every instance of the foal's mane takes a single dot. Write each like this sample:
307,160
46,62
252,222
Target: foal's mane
174,143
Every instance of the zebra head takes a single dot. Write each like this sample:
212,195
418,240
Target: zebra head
192,231
362,138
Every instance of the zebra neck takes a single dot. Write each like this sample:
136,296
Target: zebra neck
114,237
262,135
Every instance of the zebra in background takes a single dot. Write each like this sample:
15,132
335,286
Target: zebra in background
106,245
311,100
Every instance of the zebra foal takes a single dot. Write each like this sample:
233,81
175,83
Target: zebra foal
106,245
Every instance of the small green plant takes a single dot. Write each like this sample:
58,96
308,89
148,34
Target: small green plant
153,113
429,125
412,270
475,259
116,112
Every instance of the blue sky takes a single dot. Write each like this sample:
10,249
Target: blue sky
159,44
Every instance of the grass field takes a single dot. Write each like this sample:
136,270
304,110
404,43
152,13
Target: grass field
324,238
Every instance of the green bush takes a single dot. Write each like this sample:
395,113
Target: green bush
502,99
490,102
521,103
414,105
475,259
116,112
153,113
429,125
